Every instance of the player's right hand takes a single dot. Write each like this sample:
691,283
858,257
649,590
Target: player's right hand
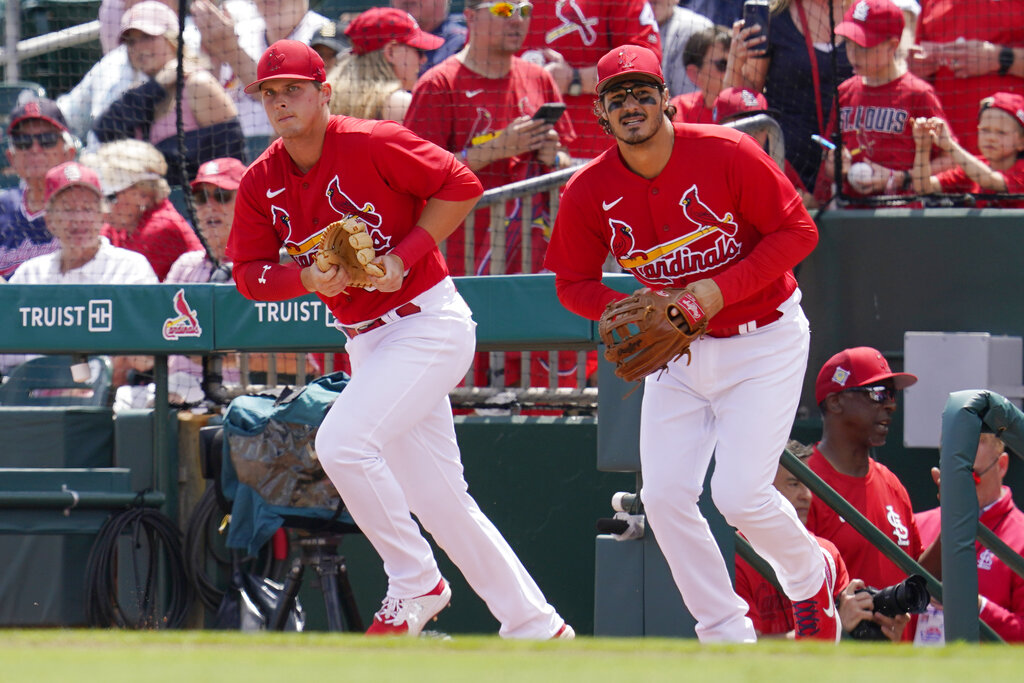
330,283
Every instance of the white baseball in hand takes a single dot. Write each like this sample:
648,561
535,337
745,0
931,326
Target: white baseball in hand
860,175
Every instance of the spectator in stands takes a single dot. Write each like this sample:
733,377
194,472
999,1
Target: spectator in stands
435,16
705,59
37,140
856,393
1001,590
74,214
235,44
329,42
569,38
675,25
878,105
1000,168
968,52
213,192
733,104
140,216
478,105
770,610
148,111
374,80
798,88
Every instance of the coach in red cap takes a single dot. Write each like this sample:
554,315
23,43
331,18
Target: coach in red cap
388,443
703,214
856,391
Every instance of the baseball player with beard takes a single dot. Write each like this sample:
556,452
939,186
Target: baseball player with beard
388,442
703,208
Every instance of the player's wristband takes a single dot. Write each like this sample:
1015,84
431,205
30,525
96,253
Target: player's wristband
414,246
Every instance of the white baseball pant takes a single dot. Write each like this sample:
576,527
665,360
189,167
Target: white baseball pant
737,399
388,444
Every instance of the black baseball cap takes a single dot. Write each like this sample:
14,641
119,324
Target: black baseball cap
41,108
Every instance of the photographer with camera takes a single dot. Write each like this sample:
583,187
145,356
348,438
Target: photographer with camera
1001,590
772,612
856,392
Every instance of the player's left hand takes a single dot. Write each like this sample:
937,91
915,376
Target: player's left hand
709,296
394,273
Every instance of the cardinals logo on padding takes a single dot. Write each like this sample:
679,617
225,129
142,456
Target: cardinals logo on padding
185,324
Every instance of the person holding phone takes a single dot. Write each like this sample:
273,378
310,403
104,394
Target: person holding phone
479,104
504,118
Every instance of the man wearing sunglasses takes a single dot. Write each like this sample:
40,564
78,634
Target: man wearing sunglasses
706,57
1000,589
703,214
37,140
856,392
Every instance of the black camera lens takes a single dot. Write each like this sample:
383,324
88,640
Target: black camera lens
909,595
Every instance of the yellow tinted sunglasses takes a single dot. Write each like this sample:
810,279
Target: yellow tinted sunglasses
507,10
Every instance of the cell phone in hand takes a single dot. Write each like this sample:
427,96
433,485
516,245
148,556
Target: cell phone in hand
758,12
549,112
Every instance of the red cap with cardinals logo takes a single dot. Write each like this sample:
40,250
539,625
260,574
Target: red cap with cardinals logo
628,60
288,59
861,366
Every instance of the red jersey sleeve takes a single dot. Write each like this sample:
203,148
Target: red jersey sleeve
576,255
1015,178
769,201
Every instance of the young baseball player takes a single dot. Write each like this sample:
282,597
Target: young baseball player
388,442
1000,139
703,208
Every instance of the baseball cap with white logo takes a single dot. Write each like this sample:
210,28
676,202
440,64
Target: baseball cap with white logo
871,22
861,366
225,173
627,60
288,59
70,174
1011,103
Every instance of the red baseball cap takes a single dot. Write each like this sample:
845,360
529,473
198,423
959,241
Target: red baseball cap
70,174
628,60
378,26
42,108
735,102
1011,103
870,22
288,59
225,173
861,366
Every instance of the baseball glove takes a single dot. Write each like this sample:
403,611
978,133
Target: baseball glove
647,330
346,244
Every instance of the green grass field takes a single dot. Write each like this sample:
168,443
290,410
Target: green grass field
194,656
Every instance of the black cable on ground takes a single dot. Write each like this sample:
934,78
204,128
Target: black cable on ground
155,552
207,512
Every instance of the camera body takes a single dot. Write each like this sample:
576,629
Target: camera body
909,595
758,12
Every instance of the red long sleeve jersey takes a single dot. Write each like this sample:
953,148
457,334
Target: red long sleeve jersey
720,209
377,171
1004,611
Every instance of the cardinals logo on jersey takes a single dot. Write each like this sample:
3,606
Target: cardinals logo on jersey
345,206
899,529
299,248
185,324
665,263
573,21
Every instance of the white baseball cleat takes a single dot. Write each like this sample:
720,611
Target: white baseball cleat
408,616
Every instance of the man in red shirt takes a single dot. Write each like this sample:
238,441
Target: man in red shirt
388,442
856,392
1001,590
705,209
569,36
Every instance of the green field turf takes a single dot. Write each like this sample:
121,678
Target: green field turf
194,656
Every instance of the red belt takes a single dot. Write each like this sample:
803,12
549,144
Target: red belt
746,328
401,312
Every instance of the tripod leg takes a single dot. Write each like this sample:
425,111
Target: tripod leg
329,585
348,599
284,607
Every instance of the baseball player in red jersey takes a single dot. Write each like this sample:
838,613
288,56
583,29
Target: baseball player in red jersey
569,36
856,391
388,442
703,207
